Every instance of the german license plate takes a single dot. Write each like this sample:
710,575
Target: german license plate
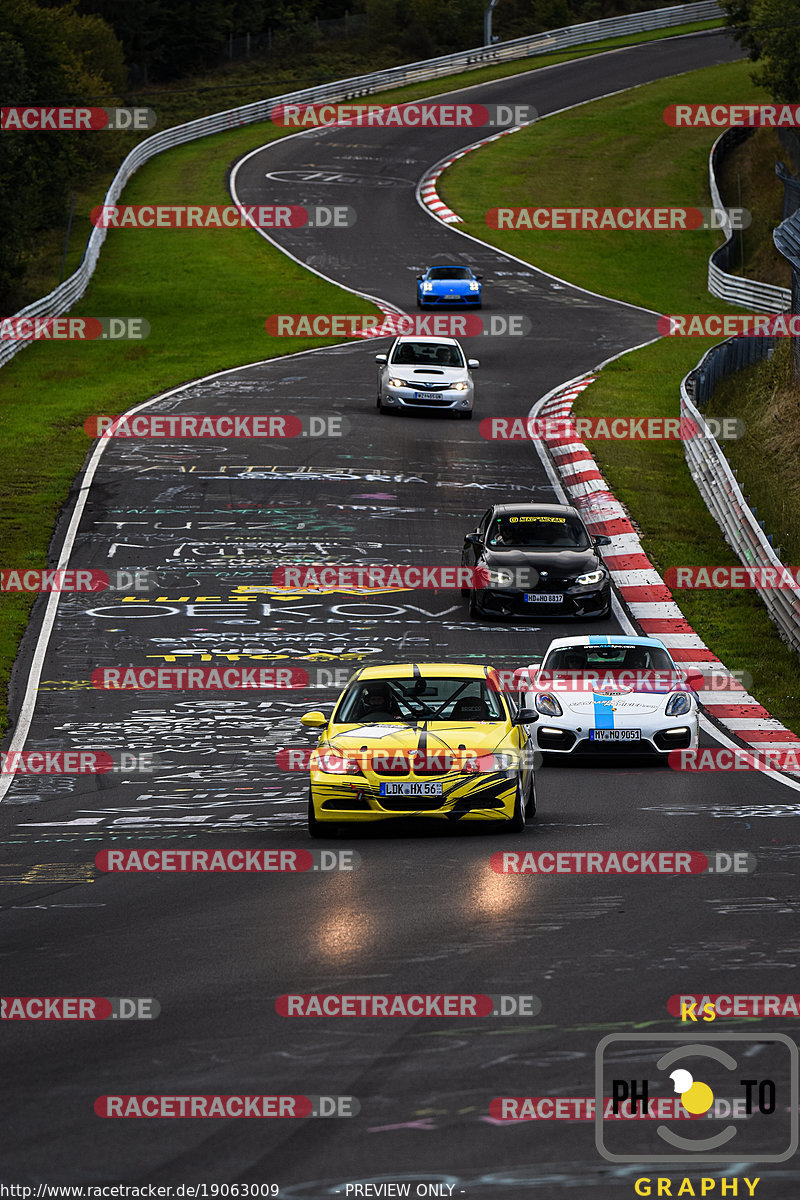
408,788
423,395
615,735
543,597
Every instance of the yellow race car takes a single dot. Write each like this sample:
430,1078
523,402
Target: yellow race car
422,740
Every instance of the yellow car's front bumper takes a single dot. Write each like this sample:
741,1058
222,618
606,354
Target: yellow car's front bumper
490,796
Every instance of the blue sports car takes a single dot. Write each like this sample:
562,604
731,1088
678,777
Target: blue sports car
448,286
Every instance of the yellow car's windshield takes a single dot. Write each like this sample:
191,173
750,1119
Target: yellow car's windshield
412,700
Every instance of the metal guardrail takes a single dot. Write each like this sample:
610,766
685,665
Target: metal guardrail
61,299
717,484
787,240
747,293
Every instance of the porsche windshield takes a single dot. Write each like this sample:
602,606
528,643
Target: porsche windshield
449,273
412,700
608,658
537,531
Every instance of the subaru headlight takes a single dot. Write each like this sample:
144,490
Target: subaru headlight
474,286
459,387
397,383
592,576
678,704
547,704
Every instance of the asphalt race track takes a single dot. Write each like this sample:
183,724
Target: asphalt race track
423,911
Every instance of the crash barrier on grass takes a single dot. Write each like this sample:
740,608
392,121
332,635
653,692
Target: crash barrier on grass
791,190
717,484
61,299
748,293
791,147
787,239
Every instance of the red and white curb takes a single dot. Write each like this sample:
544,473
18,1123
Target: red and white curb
648,599
426,189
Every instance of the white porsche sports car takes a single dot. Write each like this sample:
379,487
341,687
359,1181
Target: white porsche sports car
613,693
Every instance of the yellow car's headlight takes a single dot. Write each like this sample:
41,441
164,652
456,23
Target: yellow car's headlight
330,762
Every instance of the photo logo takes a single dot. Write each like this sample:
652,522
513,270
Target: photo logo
622,862
78,1008
756,1072
28,120
228,425
415,115
78,580
696,1098
729,325
192,1107
715,1004
619,429
367,325
201,861
722,116
654,220
222,216
732,577
73,329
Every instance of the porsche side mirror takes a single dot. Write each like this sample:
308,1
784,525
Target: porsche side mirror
474,539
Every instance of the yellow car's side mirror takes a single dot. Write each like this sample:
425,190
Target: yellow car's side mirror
314,720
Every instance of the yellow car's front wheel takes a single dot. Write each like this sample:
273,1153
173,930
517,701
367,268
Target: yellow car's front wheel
517,822
315,828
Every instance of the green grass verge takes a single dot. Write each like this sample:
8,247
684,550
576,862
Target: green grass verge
766,396
616,152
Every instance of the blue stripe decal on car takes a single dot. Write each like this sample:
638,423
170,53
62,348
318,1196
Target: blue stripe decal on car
603,712
599,640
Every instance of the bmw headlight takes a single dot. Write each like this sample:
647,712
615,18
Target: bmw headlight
474,287
333,763
678,704
500,577
547,704
459,387
592,577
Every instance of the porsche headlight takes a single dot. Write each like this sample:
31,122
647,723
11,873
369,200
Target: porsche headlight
427,287
592,577
547,704
678,704
474,286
